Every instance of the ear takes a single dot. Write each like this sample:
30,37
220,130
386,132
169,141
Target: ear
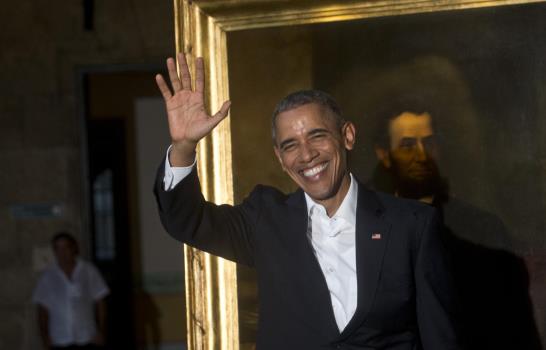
383,156
349,135
278,154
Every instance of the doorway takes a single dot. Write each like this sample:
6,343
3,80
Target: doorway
126,137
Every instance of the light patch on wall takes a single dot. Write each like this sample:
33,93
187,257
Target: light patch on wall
42,257
29,211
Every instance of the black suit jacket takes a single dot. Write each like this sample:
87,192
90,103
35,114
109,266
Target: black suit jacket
404,290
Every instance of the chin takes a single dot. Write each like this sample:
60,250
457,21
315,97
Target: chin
318,195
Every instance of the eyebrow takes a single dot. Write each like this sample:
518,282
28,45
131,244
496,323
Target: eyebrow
318,131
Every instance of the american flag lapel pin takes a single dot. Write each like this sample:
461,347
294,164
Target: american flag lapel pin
376,235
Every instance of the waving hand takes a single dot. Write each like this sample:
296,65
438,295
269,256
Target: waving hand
188,120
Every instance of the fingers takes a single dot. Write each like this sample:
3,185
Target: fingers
184,81
173,75
199,75
184,71
162,85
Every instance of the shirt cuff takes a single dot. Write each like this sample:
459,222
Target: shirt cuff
173,175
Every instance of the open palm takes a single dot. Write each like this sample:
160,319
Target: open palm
188,120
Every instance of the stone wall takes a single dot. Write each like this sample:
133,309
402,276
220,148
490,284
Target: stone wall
43,45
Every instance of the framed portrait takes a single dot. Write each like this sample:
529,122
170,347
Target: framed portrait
465,79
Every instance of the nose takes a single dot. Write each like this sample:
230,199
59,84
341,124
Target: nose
420,152
307,153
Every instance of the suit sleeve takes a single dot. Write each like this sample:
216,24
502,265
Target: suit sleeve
222,230
436,300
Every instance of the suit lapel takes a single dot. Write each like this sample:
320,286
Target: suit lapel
369,258
317,295
372,235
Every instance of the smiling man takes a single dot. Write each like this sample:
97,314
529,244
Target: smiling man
311,141
339,266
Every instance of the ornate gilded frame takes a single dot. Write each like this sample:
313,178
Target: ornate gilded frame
200,30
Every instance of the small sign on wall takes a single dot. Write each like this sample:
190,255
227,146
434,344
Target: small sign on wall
29,211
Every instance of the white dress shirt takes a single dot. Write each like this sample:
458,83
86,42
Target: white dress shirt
333,241
173,175
70,302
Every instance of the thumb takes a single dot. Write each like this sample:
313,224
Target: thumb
221,114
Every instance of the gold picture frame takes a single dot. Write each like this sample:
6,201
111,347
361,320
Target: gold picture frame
200,30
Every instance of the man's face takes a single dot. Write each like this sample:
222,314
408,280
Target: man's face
312,150
65,251
412,145
412,155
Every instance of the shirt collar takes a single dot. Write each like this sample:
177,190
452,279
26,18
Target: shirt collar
58,268
347,209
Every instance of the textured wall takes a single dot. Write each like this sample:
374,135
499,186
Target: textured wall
43,43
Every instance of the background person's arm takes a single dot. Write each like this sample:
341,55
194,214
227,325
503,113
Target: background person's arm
100,312
43,326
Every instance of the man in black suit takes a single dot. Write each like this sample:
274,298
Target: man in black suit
339,266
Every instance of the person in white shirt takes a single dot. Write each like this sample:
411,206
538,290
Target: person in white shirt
70,299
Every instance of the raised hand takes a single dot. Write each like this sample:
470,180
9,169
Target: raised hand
188,120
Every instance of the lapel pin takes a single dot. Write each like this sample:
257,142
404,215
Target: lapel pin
376,235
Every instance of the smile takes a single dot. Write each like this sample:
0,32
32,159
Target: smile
315,170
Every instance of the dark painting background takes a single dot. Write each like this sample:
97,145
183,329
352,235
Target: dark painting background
484,75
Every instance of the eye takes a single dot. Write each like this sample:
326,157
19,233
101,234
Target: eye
288,147
408,143
429,142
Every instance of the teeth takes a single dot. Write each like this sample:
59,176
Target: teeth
315,170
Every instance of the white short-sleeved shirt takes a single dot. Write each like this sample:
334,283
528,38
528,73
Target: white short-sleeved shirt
71,303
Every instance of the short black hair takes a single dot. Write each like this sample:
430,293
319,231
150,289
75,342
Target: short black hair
66,236
303,97
402,104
